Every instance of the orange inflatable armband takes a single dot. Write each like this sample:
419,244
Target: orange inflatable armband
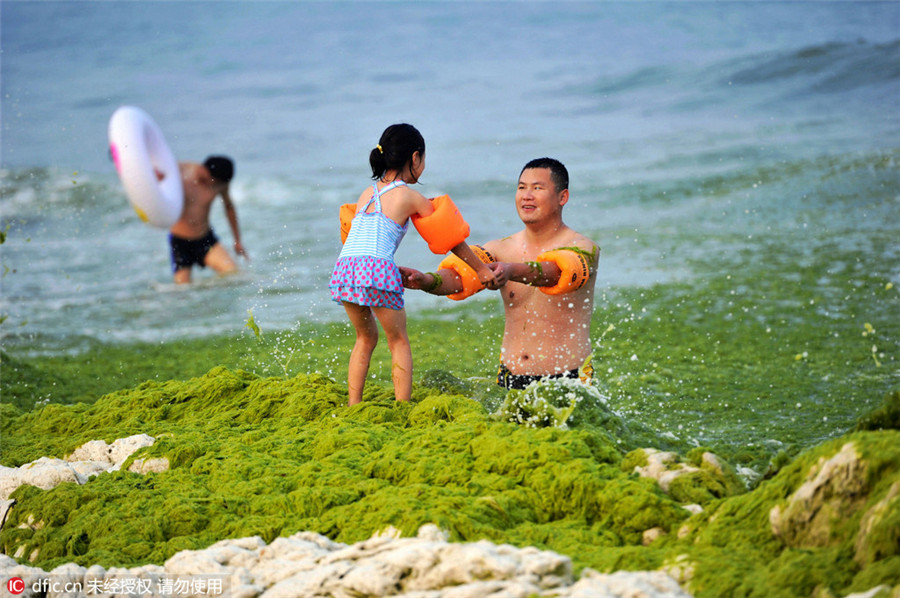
445,228
348,211
471,284
575,266
483,254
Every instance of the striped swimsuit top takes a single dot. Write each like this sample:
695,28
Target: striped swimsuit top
372,233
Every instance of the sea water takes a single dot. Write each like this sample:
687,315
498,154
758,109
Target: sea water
687,128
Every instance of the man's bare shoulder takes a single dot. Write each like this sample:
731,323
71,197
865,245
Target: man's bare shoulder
506,249
577,240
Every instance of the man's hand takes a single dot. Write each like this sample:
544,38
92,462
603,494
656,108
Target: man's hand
487,278
501,275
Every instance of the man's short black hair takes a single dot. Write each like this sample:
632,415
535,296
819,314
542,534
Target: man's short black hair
220,167
558,172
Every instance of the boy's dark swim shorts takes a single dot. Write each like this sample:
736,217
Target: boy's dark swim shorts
187,252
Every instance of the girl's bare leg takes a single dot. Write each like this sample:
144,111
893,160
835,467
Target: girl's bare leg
394,323
366,338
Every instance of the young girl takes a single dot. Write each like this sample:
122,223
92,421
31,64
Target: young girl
365,279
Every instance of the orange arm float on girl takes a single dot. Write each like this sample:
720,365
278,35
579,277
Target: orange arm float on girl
443,229
470,282
348,211
575,267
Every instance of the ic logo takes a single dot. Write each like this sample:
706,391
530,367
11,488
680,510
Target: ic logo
15,585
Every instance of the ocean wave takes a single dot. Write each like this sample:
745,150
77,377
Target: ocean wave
824,68
639,79
867,71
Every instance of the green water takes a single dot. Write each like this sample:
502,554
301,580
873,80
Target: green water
778,346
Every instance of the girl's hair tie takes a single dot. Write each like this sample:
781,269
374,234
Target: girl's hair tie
379,148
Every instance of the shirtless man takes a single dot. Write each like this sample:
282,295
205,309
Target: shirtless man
544,335
191,238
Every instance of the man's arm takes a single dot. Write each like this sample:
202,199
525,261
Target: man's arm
231,214
576,263
537,274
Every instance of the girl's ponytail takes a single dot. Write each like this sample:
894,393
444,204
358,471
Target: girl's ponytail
377,162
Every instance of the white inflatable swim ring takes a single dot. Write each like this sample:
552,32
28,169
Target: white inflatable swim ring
142,156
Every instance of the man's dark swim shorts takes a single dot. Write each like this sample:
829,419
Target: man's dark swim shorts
519,381
187,252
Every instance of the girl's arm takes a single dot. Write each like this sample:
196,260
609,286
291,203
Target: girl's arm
442,282
404,205
489,278
421,206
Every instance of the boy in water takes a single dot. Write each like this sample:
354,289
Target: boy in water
192,239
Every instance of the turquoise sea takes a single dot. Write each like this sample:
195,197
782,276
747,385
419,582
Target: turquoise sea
690,129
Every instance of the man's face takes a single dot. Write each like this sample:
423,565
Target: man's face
536,195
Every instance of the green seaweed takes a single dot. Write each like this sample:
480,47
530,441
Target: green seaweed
765,564
591,255
273,456
771,377
252,325
886,417
544,403
536,266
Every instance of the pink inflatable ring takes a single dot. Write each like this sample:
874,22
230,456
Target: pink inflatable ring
146,166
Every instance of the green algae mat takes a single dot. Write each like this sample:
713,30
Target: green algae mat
789,376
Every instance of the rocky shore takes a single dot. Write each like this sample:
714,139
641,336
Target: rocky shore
310,565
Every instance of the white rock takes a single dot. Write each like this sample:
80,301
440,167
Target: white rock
652,535
93,450
491,589
294,549
869,593
622,584
244,590
195,562
94,572
432,533
123,448
319,581
713,461
71,571
45,473
155,465
317,539
9,481
85,470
